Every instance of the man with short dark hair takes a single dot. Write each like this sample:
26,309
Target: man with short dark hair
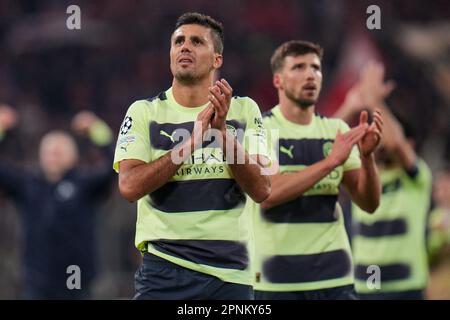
192,226
302,250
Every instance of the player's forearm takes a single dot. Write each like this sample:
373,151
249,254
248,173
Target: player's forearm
407,156
345,112
395,139
392,130
247,172
145,178
288,186
368,191
251,180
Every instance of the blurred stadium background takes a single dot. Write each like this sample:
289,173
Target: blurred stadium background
48,73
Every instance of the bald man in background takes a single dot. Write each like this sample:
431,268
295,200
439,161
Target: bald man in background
57,206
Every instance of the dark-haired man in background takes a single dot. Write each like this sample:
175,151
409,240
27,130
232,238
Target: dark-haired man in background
192,223
302,249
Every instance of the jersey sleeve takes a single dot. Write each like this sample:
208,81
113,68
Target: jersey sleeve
354,161
133,141
273,137
423,175
255,138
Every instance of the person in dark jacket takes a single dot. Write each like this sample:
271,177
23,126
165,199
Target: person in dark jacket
57,209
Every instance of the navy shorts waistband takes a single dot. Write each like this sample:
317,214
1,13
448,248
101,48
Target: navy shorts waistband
152,259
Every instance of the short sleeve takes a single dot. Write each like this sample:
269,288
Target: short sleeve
133,141
255,139
272,139
423,176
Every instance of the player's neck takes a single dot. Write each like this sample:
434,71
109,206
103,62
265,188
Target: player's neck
294,113
54,176
193,95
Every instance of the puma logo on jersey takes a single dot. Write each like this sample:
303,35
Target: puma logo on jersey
287,151
165,134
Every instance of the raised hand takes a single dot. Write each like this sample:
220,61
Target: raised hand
83,121
220,97
373,135
8,117
373,88
354,101
344,143
201,125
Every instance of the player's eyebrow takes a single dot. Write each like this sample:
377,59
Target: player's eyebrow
316,65
179,37
298,65
197,38
193,39
303,64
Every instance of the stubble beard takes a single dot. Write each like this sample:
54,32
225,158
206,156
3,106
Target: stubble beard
187,78
190,78
303,103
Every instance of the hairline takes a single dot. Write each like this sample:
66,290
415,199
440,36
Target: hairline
283,60
213,33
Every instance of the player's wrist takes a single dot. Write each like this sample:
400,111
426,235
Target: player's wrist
194,144
368,159
183,151
229,142
332,162
373,103
392,145
349,107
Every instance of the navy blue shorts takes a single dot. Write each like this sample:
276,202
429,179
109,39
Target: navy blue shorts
159,279
336,293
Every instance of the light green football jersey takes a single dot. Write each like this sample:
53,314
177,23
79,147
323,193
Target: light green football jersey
302,244
197,219
393,237
439,231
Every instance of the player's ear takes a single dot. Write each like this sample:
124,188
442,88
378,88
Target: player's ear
218,60
276,80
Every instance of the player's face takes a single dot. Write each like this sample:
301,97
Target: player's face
192,55
301,79
57,154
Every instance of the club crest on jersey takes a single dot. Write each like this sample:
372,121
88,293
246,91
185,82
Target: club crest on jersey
232,130
327,146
